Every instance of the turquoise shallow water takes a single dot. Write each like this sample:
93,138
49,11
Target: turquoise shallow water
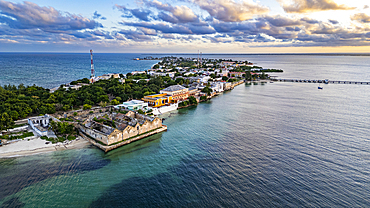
260,145
270,145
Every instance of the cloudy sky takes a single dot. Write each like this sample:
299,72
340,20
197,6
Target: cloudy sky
186,26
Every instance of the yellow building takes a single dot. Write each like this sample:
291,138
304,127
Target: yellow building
177,92
158,100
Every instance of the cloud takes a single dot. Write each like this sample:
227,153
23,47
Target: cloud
361,17
177,14
334,22
231,11
141,14
309,21
281,21
304,6
29,15
106,35
135,35
176,29
147,31
98,16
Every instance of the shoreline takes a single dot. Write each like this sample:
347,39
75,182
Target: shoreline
38,146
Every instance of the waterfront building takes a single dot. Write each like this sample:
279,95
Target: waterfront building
217,87
158,100
133,105
118,127
177,92
194,91
227,85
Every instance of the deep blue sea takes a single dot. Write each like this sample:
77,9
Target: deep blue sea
259,145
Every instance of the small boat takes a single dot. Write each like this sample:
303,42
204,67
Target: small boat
320,88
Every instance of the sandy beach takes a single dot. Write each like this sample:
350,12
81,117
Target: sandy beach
38,146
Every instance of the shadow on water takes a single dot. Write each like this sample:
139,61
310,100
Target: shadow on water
185,185
13,203
150,144
25,173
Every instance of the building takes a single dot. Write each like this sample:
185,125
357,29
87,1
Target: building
227,63
227,85
223,73
217,87
163,74
138,72
193,91
110,128
236,74
104,77
158,100
40,124
133,105
177,92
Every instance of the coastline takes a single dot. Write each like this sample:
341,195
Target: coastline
38,146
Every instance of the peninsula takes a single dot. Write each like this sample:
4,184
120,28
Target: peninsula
112,110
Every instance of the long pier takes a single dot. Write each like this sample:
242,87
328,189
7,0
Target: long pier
321,81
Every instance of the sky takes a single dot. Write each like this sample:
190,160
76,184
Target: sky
185,26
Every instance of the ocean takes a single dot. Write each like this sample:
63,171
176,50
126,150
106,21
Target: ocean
259,145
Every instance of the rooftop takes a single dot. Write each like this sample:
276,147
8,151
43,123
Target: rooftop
173,88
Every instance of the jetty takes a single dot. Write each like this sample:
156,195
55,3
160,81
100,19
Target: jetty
325,81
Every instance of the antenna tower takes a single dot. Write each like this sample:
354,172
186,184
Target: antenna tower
201,61
92,65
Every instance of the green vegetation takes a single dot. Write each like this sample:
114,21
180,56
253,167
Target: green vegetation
184,103
63,131
84,80
193,100
207,90
22,136
87,106
141,111
202,98
5,121
105,121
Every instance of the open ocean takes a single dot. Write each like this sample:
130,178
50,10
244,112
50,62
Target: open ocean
259,145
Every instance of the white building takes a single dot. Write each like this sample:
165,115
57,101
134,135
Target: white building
217,87
138,72
133,105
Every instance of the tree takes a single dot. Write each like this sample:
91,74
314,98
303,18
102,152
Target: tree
14,115
87,106
140,111
193,100
102,104
156,66
207,90
114,102
5,121
224,78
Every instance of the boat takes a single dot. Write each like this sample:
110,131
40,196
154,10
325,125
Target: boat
320,88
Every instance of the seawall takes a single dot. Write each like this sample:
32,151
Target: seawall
106,148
